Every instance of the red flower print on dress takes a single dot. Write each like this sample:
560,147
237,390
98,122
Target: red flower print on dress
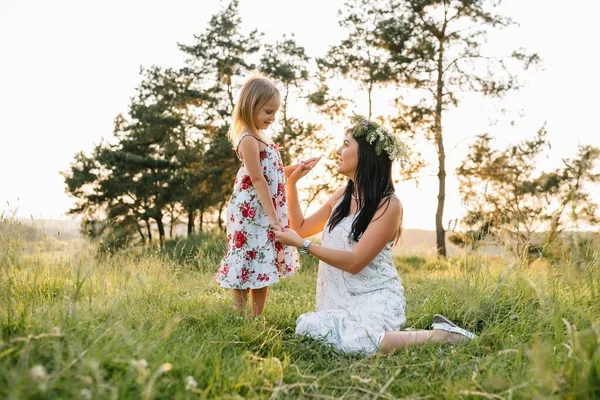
262,277
246,182
225,269
247,211
245,273
240,239
271,235
281,189
251,254
263,155
278,246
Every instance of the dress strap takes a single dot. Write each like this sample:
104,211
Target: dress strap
240,141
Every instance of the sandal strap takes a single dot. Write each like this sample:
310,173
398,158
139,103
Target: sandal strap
454,329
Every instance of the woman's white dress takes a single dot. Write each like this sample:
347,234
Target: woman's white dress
354,311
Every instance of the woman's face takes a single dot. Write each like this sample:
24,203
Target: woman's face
348,157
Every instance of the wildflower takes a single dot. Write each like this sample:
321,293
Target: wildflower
86,394
190,383
38,373
140,364
141,367
379,137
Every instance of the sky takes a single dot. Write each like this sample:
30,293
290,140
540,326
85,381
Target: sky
68,68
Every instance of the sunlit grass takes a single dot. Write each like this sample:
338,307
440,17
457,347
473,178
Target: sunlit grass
147,325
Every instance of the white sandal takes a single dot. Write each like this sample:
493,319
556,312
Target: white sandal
442,323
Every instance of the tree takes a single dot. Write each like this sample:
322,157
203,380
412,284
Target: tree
510,201
436,47
221,54
358,57
217,61
288,65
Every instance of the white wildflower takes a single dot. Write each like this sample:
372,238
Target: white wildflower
140,364
141,367
190,383
383,141
86,394
38,373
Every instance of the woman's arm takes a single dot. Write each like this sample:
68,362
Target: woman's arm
314,223
250,150
380,231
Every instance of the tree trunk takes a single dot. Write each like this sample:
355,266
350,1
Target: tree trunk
139,228
219,222
161,228
191,216
172,222
440,233
285,103
201,220
370,99
149,229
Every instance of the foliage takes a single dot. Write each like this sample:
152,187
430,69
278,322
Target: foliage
510,199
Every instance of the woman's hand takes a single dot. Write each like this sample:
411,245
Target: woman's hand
289,237
294,172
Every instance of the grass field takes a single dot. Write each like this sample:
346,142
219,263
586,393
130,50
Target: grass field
153,324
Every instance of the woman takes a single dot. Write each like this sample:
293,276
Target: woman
360,299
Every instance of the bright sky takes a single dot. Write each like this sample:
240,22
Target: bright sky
67,68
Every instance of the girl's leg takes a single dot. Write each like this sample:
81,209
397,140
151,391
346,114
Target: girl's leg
259,298
398,340
240,298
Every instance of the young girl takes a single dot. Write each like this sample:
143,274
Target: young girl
258,204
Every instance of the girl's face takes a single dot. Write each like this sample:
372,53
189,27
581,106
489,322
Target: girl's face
265,115
348,157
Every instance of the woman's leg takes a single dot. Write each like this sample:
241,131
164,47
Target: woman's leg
398,340
240,298
259,298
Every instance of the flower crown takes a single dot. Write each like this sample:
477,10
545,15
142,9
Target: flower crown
383,140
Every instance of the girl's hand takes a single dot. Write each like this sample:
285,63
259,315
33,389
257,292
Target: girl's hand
295,172
275,225
289,237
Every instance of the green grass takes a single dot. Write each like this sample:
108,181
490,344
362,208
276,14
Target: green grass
89,322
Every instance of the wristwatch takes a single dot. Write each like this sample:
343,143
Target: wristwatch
304,248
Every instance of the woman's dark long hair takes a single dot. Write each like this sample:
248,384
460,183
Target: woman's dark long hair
374,183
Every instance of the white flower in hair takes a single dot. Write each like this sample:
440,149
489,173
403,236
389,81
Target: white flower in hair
383,140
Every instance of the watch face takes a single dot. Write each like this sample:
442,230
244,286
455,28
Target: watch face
304,249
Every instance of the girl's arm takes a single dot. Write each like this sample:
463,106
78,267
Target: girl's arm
380,231
250,150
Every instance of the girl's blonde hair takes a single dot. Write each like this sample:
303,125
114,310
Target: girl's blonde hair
254,94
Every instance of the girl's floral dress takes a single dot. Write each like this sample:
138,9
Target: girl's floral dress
254,259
